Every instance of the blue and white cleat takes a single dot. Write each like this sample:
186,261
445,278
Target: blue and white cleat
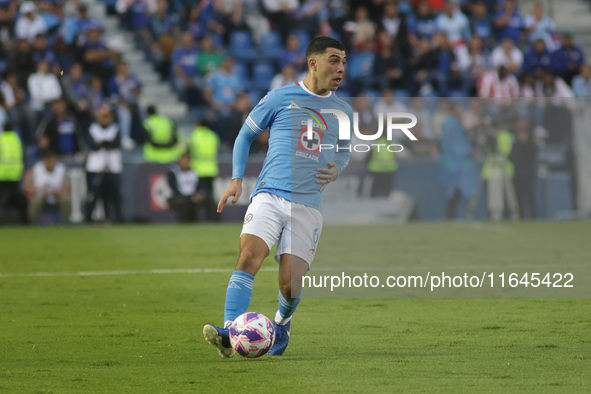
220,338
281,339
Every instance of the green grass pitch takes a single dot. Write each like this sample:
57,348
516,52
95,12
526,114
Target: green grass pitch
122,327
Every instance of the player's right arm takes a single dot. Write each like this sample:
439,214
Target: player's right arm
258,120
239,158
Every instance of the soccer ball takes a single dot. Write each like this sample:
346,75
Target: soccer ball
252,334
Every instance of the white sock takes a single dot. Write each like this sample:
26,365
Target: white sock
280,320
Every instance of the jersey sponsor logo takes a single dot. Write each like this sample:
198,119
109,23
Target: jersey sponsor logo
310,143
248,218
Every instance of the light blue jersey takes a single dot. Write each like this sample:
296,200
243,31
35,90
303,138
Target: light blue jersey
294,154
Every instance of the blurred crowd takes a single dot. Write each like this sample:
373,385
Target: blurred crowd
226,54
63,87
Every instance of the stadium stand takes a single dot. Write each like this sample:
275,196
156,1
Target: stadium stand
422,48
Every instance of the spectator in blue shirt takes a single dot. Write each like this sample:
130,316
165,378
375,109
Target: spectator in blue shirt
537,59
422,66
567,60
161,22
97,58
509,22
454,23
186,78
67,54
223,86
52,21
160,36
293,54
42,52
138,15
124,90
538,25
447,74
582,82
96,96
389,65
58,131
84,21
481,24
422,24
68,24
76,93
360,67
202,20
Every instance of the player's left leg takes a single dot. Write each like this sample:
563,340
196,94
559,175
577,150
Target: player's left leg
295,253
291,271
252,253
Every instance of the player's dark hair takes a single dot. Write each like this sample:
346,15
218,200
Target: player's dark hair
319,45
151,110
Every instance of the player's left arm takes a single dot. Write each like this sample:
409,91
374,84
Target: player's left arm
330,174
258,120
335,168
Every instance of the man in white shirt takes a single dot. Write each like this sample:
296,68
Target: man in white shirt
582,82
285,77
187,193
507,55
43,87
29,24
49,186
538,25
104,164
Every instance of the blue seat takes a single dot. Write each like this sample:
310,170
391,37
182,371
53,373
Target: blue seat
218,40
241,69
241,45
271,46
458,93
401,93
255,96
263,73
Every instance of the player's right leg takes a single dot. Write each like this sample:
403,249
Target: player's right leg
253,251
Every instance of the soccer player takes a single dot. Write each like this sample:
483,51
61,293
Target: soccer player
285,206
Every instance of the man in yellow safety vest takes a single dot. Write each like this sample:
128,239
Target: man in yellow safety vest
204,145
381,165
162,144
11,172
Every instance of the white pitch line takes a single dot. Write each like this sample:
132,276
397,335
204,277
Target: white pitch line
483,227
126,272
